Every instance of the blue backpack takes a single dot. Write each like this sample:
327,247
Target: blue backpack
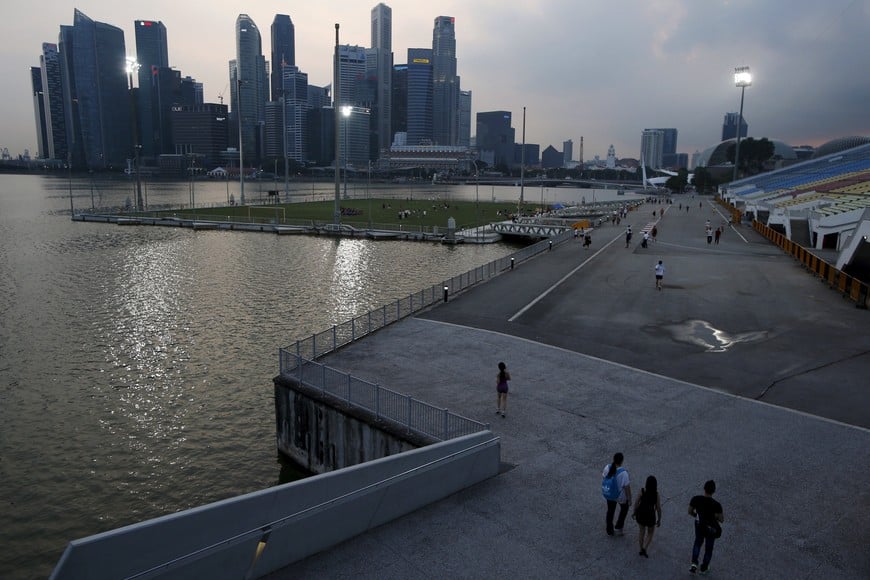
610,487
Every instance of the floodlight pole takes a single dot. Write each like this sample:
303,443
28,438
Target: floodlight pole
742,79
336,99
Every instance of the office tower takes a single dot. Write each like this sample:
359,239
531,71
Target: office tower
52,92
669,147
294,87
248,87
567,152
152,54
99,117
445,83
495,135
531,156
729,126
464,137
399,122
652,147
39,112
319,97
201,129
321,135
283,50
352,68
419,126
381,72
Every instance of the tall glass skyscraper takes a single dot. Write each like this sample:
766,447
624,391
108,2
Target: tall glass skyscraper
419,96
152,54
39,112
445,83
52,93
95,93
248,87
283,51
382,73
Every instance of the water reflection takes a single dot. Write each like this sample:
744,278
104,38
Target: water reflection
711,339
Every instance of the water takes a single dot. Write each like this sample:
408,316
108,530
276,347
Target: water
136,362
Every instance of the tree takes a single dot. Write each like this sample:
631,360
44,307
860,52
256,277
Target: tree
754,153
703,180
677,183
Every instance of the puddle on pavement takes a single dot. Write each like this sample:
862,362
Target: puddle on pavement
703,334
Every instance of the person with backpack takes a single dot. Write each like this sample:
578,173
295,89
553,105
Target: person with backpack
708,515
616,489
648,513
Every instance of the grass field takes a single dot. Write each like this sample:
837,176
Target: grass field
361,212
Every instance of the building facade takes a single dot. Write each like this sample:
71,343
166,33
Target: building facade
445,83
248,88
380,70
729,126
52,93
495,135
152,54
283,50
419,96
201,130
652,147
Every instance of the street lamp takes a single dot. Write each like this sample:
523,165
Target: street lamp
477,196
133,66
346,110
742,79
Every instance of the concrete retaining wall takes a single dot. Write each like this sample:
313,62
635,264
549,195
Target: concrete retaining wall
286,523
321,433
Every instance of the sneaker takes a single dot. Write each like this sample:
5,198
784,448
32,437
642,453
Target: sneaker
502,414
498,411
705,569
693,568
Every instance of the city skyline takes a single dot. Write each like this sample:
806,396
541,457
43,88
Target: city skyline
584,71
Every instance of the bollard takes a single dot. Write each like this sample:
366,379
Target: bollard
550,249
445,293
512,263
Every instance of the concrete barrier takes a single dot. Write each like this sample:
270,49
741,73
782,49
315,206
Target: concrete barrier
255,534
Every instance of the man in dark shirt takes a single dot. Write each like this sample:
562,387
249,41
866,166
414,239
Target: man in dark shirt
708,515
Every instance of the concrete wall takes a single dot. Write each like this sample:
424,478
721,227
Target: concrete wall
285,523
321,433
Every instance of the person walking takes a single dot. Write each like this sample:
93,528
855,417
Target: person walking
616,489
501,388
660,274
718,234
648,513
627,236
709,235
654,232
708,515
645,240
587,240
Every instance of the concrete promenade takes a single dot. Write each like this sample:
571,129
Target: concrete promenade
744,369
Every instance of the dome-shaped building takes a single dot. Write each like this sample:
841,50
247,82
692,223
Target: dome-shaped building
841,144
716,155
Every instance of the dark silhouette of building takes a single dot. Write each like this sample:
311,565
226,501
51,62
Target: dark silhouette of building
201,130
729,126
419,93
495,135
283,50
152,54
445,83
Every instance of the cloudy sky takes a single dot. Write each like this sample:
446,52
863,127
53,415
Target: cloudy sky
601,70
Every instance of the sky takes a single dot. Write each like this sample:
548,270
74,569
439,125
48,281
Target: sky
601,70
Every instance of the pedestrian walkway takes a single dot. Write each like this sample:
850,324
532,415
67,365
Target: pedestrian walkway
601,362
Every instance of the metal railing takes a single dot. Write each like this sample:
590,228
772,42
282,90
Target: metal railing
321,343
414,415
853,288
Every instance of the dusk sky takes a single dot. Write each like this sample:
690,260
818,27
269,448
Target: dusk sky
601,70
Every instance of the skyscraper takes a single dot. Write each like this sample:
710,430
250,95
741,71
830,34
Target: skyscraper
668,148
496,136
652,147
729,126
419,102
445,83
464,137
52,93
352,67
567,152
399,122
248,87
39,112
283,50
95,92
152,53
382,73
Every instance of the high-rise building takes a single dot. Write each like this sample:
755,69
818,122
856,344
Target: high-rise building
52,92
464,137
419,127
283,50
380,70
39,112
496,136
567,152
445,83
729,126
293,117
152,54
668,147
96,97
352,71
652,147
201,130
249,88
399,122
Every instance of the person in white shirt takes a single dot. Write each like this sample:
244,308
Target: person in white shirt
660,273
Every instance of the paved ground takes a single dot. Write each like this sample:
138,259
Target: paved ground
602,363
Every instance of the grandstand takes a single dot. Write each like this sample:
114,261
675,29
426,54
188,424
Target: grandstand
822,203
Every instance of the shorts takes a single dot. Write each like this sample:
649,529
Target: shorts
659,277
502,388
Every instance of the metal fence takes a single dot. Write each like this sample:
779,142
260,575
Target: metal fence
321,343
414,415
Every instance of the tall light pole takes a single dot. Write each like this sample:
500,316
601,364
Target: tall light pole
742,79
241,155
133,66
522,163
336,99
477,196
346,110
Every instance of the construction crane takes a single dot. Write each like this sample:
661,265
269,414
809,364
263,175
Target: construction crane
221,94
